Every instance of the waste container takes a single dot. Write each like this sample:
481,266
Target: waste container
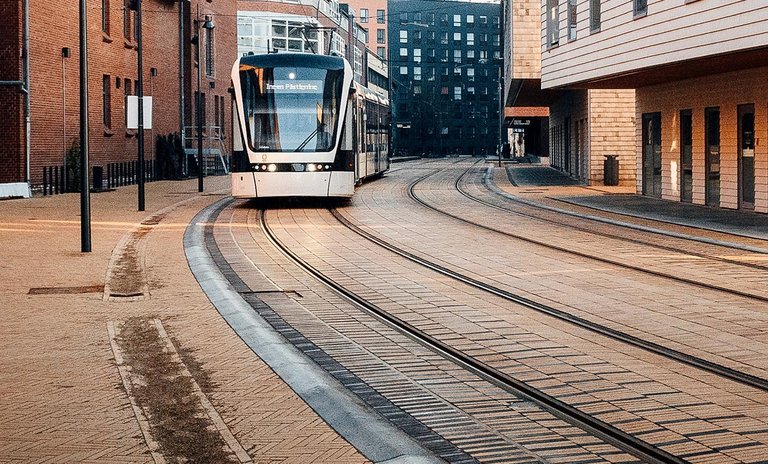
98,178
611,170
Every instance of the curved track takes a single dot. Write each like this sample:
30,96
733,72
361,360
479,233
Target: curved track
622,440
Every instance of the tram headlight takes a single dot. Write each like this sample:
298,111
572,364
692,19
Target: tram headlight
272,168
311,167
263,167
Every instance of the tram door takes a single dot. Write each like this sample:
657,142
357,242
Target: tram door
712,154
652,154
747,156
686,156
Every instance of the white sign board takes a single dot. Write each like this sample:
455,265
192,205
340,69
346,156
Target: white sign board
132,115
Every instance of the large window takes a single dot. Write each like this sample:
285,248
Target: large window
403,36
209,53
105,16
572,19
380,39
457,20
641,7
126,20
363,15
380,16
106,100
594,15
291,109
553,22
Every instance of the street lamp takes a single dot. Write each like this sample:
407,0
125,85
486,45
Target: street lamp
85,190
208,25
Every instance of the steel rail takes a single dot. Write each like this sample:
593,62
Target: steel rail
661,350
579,216
612,435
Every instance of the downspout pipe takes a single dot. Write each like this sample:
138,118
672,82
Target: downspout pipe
27,99
182,44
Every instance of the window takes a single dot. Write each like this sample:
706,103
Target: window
553,22
416,35
431,19
403,37
471,74
209,53
496,21
431,52
126,20
483,20
470,54
380,39
403,18
222,118
403,70
403,52
417,55
457,93
470,20
380,16
594,15
216,110
444,38
483,38
417,90
444,58
470,38
497,39
457,20
443,18
443,90
457,36
105,16
417,17
106,100
641,7
363,15
126,92
381,52
572,19
457,71
457,56
416,73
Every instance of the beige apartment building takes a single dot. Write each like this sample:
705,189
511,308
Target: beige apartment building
580,125
700,76
373,17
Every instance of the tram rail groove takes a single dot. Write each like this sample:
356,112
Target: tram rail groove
640,449
669,353
664,275
590,217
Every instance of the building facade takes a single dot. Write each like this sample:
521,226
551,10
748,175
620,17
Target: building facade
54,80
373,17
444,69
580,126
317,26
698,70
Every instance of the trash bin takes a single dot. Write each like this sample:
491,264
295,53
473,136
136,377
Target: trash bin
98,178
611,170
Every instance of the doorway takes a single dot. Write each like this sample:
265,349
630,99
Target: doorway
746,156
712,155
652,154
686,156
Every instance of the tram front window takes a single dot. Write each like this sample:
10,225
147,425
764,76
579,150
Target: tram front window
290,109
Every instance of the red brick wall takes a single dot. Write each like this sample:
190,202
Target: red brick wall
11,101
55,80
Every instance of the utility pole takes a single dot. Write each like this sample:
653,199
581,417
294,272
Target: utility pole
85,189
140,92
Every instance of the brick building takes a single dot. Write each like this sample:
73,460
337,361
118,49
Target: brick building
575,125
374,18
112,54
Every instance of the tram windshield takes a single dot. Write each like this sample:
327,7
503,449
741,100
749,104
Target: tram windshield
291,109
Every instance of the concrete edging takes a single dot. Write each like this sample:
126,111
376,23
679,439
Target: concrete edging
364,428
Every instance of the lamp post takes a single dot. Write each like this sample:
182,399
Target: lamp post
85,190
140,94
208,25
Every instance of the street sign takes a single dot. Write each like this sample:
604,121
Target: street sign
132,115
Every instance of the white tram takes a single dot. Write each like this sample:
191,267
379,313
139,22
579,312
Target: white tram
304,128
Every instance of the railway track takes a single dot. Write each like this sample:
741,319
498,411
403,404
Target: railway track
638,448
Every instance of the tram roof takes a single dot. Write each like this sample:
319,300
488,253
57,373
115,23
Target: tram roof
304,60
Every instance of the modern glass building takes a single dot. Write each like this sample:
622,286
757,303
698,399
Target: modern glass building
444,59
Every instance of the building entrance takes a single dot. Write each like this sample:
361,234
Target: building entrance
712,155
747,156
686,156
652,154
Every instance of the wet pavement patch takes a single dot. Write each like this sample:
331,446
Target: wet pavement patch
65,290
178,420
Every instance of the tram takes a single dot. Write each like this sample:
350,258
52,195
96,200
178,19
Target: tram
303,128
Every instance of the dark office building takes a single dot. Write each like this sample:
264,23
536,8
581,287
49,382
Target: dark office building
444,62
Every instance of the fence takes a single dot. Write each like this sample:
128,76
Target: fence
57,180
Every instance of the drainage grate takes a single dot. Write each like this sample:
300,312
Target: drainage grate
65,290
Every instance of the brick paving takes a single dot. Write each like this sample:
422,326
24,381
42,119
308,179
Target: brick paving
61,395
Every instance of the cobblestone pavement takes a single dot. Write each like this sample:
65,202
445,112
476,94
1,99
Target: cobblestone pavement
62,395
